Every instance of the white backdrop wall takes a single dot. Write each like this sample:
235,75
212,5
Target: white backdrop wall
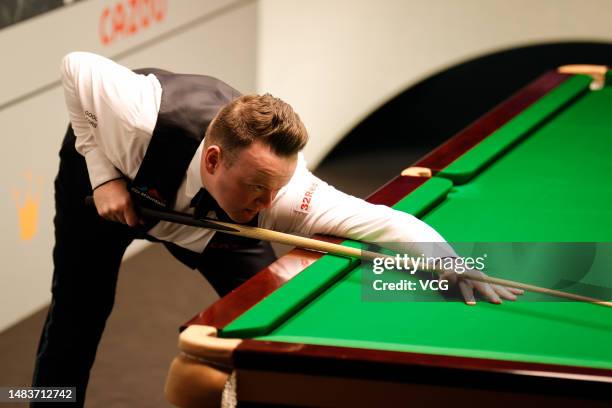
193,36
337,61
334,61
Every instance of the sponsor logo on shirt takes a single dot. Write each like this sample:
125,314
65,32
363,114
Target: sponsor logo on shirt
92,119
305,204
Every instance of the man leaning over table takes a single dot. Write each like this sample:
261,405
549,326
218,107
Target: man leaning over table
194,144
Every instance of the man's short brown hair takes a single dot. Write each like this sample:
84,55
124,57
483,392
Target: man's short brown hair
257,117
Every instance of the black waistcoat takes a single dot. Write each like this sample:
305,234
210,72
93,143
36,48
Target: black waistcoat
188,105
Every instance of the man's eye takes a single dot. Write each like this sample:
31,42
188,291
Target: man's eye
258,188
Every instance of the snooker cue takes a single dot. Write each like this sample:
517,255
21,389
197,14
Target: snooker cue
264,234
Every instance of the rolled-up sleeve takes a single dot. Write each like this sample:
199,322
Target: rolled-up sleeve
112,111
100,168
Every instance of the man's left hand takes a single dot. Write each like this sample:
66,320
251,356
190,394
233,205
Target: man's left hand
493,293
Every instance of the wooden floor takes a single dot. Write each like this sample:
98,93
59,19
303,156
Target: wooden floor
154,294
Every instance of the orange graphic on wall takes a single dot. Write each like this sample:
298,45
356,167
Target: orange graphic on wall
28,206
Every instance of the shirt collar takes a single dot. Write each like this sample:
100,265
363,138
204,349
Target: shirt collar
194,179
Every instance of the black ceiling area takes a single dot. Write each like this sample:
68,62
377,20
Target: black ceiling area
428,113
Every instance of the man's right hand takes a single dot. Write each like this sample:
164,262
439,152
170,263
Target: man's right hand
114,203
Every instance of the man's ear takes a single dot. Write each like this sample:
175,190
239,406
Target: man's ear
212,158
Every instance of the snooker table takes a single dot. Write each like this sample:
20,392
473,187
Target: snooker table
536,168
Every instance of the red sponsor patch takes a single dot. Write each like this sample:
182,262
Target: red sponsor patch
305,203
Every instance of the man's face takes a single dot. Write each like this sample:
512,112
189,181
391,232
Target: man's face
250,183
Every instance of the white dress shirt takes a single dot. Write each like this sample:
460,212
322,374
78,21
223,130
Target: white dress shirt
113,112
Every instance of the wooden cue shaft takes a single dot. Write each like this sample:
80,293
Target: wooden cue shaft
328,247
298,241
322,246
538,289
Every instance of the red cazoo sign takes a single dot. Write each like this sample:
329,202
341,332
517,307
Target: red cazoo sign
128,17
